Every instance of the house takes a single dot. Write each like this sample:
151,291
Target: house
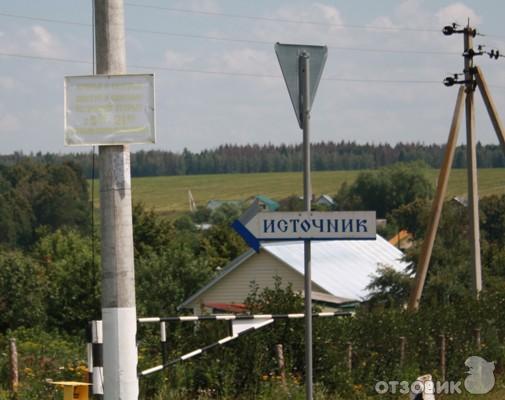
325,200
266,203
341,271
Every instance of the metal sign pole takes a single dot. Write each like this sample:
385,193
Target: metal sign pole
304,74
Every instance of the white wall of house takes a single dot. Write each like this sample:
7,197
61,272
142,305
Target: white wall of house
236,285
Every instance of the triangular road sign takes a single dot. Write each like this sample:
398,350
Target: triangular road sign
288,56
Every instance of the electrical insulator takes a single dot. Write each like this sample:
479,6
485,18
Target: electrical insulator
449,81
494,54
448,30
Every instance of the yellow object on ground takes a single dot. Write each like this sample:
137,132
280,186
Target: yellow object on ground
74,390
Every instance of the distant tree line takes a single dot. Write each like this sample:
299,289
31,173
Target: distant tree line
276,158
37,198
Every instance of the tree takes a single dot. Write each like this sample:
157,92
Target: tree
63,198
389,286
22,291
16,219
34,195
412,217
386,189
221,244
493,218
72,297
448,279
164,279
225,214
150,231
291,203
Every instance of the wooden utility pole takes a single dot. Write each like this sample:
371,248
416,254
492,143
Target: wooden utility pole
14,373
403,343
471,161
443,352
279,351
349,357
118,280
436,208
473,78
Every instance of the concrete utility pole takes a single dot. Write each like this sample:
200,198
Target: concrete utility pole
118,279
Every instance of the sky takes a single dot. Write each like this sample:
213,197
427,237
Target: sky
218,81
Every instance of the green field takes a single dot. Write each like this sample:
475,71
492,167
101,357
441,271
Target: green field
169,194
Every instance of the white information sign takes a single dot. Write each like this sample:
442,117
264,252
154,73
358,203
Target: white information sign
305,225
109,109
313,225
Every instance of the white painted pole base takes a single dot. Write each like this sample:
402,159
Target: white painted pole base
120,349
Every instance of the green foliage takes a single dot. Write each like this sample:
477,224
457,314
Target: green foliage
386,189
63,199
42,355
221,244
34,195
151,233
274,300
291,203
50,290
375,336
225,214
389,287
72,290
16,218
22,291
201,215
166,279
492,216
227,158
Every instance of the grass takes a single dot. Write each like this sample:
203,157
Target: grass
169,194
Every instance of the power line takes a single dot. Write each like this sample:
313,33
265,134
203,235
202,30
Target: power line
274,19
229,73
209,72
234,40
58,21
35,57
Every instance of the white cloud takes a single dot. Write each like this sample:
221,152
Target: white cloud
329,14
327,22
174,59
43,43
246,60
199,5
459,13
383,22
9,123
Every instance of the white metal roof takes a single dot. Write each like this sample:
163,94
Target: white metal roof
342,267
